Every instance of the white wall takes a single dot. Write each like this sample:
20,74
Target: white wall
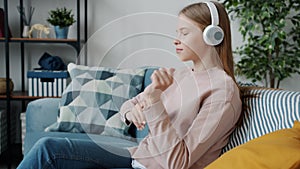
122,34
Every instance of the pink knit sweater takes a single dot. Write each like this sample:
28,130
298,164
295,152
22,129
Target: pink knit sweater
191,123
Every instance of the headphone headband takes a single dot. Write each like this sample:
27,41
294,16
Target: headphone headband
213,34
213,13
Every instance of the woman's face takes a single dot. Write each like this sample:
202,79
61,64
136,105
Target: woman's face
190,45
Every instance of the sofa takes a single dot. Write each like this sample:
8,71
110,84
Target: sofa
267,111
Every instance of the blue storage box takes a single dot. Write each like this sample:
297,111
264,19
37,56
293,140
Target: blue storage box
47,83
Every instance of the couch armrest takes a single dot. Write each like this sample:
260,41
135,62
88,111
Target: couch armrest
41,113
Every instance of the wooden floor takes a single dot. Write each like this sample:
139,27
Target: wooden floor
16,157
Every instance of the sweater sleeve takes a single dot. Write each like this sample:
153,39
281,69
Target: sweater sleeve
128,105
213,122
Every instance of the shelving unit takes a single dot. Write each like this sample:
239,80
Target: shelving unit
23,94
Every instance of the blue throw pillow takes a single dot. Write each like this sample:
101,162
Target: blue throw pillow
94,95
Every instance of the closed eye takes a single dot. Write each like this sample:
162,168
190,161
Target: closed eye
185,33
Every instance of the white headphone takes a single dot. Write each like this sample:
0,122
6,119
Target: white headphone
213,34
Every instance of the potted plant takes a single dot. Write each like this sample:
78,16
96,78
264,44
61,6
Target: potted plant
61,19
271,32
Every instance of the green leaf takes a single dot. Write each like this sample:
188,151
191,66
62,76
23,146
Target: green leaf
271,34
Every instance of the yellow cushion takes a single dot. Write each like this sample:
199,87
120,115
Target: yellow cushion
279,149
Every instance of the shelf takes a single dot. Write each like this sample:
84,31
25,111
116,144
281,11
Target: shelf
73,42
41,40
23,95
19,95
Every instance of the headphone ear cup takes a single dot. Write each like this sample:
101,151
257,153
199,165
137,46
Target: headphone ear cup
213,35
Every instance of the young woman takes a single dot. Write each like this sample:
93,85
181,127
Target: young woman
190,112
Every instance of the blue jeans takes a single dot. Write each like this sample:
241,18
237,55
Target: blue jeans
64,153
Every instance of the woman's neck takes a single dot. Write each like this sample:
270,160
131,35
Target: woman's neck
208,61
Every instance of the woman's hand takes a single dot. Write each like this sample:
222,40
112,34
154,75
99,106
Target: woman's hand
161,80
136,116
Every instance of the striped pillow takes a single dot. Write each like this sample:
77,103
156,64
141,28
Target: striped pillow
269,111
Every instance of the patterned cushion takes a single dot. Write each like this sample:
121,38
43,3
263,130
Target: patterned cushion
269,111
94,95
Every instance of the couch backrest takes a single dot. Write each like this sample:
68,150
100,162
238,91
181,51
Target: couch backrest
269,111
147,79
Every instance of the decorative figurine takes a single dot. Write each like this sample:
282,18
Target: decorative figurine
40,29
